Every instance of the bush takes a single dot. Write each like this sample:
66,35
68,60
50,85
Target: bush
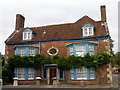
7,75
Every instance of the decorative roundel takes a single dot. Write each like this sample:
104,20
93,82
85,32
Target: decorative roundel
52,51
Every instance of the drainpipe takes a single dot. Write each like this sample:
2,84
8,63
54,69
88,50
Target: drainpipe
98,45
39,48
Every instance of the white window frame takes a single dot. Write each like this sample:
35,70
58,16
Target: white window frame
72,74
32,51
71,51
28,35
22,51
31,72
21,72
92,73
91,49
80,50
81,73
88,30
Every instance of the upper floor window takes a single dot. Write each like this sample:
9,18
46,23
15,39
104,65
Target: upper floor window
80,49
88,30
25,50
22,51
27,34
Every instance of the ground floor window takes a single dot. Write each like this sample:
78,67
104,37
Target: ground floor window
25,73
82,73
61,74
44,73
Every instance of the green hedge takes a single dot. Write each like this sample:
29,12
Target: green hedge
69,62
37,61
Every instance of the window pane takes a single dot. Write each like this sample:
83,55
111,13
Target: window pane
29,35
72,73
90,31
25,35
31,72
80,50
85,31
70,50
31,51
61,73
22,51
45,73
92,73
91,47
82,73
21,73
80,54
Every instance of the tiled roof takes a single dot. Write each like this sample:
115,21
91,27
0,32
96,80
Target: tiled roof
61,32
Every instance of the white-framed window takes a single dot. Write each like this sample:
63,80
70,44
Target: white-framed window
25,73
21,73
22,51
25,51
31,73
27,35
92,73
72,73
81,73
31,51
71,51
91,49
88,30
80,50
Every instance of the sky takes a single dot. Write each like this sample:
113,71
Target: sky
49,12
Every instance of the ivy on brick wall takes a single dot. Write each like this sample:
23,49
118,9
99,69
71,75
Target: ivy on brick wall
69,62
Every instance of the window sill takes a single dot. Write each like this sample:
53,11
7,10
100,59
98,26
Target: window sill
61,79
44,79
81,79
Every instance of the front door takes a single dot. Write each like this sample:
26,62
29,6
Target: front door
52,74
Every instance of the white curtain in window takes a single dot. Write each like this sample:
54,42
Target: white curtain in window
21,73
80,50
82,73
92,73
72,73
22,51
31,72
31,51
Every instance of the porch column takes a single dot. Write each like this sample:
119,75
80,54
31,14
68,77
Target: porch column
48,76
57,75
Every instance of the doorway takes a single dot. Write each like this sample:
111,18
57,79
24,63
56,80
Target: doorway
52,74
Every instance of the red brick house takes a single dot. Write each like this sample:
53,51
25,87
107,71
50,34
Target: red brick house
83,36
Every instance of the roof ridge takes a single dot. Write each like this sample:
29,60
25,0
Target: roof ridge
51,25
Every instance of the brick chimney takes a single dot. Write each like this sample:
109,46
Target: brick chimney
103,13
19,21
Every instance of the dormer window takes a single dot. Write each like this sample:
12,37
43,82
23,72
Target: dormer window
27,34
88,30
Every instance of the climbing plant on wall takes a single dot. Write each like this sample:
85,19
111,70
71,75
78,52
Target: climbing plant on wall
68,62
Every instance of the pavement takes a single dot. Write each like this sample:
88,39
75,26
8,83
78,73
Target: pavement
116,83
